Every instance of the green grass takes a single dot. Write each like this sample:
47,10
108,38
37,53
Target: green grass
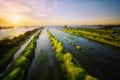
78,47
107,36
14,74
8,47
69,65
9,54
71,43
19,67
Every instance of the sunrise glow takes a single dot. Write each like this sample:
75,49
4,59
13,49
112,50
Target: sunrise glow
15,19
59,12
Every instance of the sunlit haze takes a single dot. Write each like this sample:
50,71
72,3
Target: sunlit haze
59,12
59,39
15,19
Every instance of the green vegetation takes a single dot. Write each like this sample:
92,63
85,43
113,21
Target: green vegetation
8,47
69,37
108,36
78,47
69,65
71,43
18,68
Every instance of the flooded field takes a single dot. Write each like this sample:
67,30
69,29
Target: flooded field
61,54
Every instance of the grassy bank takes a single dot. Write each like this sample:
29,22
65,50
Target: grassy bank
71,69
18,69
8,47
107,36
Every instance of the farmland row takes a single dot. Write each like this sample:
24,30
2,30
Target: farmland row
18,68
107,36
71,69
8,47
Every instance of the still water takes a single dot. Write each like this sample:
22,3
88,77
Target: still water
10,33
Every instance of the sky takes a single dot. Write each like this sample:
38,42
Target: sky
59,12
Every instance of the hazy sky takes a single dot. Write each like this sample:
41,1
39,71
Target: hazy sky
58,12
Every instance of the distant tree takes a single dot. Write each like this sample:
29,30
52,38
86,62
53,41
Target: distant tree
26,26
65,26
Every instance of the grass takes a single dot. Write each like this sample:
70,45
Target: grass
69,65
78,47
107,36
8,47
14,74
11,53
69,37
71,43
19,67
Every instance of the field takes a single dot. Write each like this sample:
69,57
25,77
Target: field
54,53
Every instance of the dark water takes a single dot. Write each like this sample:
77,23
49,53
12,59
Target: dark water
17,54
100,60
47,68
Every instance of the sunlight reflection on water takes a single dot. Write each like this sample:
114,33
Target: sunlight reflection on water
10,33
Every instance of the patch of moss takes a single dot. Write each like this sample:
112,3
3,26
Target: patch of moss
78,47
88,77
71,43
83,51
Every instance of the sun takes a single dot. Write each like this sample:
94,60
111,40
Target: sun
15,19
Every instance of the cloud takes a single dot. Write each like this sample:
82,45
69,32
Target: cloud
27,8
42,7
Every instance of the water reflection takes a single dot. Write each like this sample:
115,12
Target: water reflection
10,33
